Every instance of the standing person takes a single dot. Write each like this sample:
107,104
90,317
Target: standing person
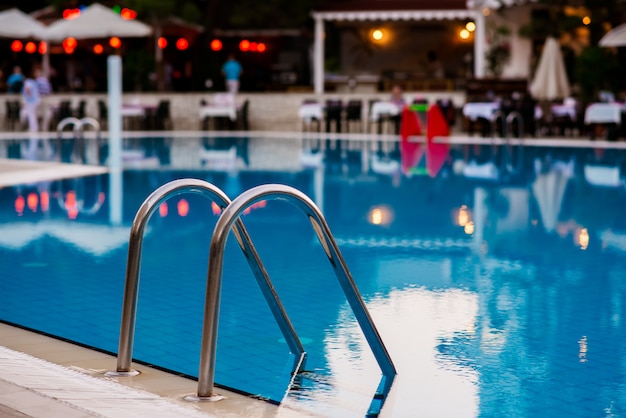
232,71
30,94
43,84
15,80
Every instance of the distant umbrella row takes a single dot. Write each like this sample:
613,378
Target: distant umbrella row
95,21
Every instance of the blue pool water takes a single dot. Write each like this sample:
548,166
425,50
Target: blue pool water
516,313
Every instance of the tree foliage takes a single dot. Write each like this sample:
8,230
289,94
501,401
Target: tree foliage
271,13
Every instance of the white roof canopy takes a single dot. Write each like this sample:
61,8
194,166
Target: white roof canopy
396,15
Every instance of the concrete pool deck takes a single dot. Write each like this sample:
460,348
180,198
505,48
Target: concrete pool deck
45,377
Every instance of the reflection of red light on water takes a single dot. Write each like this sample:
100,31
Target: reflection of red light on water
32,200
70,204
70,200
163,209
19,205
45,201
101,197
183,207
215,208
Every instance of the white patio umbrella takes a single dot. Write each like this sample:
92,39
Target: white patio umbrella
96,21
550,81
615,37
16,24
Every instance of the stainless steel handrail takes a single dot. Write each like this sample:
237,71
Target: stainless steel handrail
78,126
214,280
129,308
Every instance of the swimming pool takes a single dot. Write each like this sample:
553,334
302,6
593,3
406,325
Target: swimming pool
495,295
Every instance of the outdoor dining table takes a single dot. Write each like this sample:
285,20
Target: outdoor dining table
218,110
484,110
310,111
604,113
136,113
383,108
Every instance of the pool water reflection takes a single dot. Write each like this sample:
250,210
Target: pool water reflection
519,315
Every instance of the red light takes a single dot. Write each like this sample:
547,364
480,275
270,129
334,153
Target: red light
216,45
43,47
182,44
71,13
69,50
183,207
72,213
115,42
261,47
162,42
30,47
128,14
19,205
244,45
253,46
16,46
69,43
98,49
163,209
45,201
32,200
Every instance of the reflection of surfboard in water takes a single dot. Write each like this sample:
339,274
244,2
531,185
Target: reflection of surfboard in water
412,152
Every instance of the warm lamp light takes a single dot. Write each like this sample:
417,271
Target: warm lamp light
98,49
16,46
464,34
261,47
216,45
244,45
30,47
128,14
586,20
182,44
378,35
162,42
43,47
115,42
470,26
69,43
253,46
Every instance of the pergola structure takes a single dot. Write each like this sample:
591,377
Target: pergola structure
398,10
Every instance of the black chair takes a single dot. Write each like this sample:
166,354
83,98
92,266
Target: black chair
242,116
65,110
333,113
354,111
163,117
103,113
80,110
12,115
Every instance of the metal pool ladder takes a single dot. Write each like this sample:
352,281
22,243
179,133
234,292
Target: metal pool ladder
78,128
230,217
216,257
129,305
